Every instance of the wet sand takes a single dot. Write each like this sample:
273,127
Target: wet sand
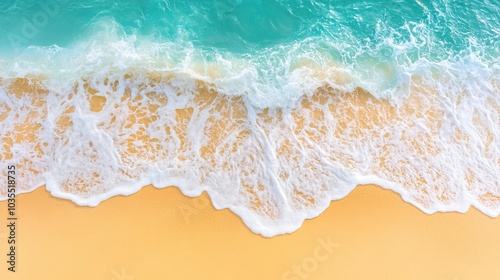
162,234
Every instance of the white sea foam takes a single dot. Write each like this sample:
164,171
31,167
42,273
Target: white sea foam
274,137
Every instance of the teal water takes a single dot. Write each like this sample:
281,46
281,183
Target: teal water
377,44
435,28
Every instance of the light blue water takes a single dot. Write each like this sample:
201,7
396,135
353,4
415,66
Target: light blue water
440,28
364,36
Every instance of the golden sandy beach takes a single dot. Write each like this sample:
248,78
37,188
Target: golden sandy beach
249,140
149,235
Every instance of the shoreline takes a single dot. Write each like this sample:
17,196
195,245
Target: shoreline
106,133
126,191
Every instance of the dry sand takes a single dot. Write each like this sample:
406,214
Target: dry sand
161,234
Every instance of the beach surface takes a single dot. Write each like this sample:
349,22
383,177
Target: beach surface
162,234
275,112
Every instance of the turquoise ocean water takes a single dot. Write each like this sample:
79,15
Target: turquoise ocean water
432,66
